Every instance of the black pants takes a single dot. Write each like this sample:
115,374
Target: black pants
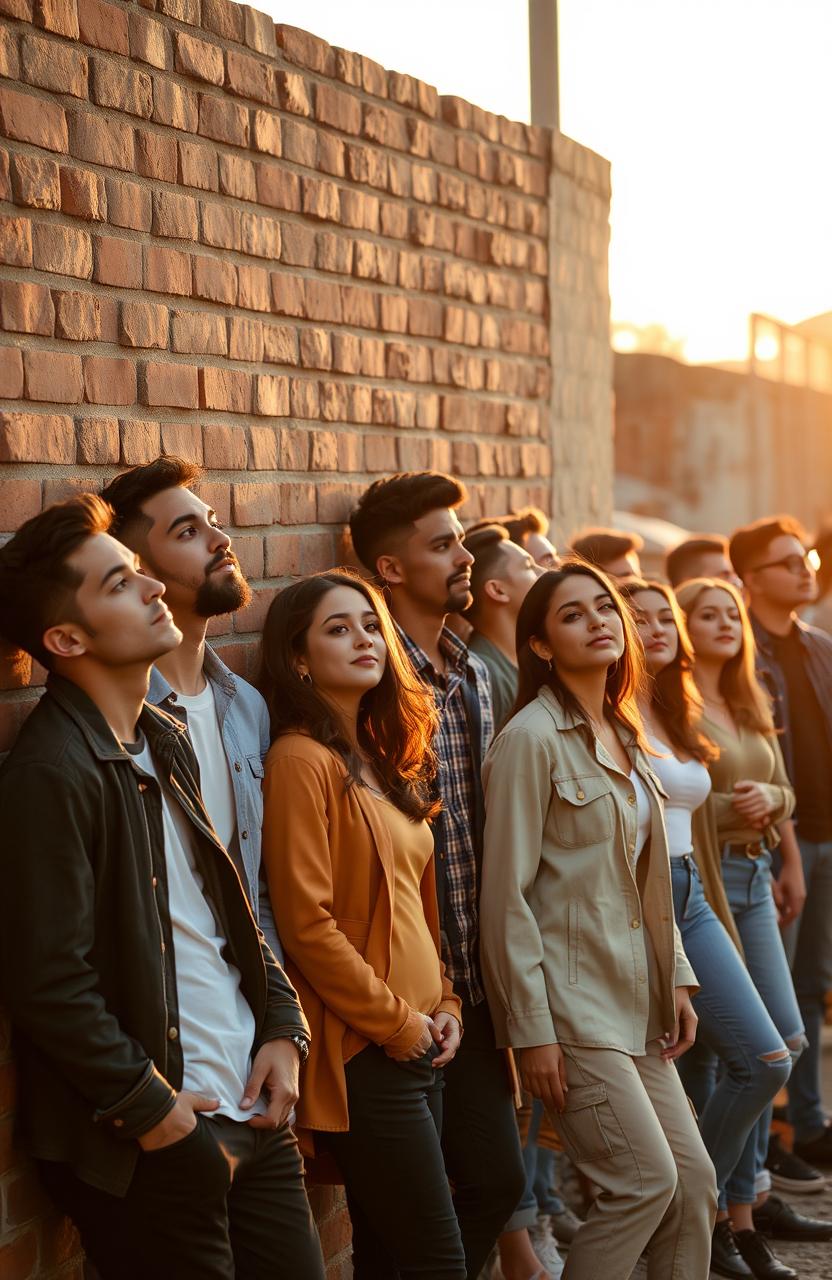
399,1200
480,1138
226,1202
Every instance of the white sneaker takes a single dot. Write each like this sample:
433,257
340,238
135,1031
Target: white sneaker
545,1246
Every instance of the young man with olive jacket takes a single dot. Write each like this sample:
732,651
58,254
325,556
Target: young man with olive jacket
157,1038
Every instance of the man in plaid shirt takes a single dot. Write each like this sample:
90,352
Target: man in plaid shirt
405,531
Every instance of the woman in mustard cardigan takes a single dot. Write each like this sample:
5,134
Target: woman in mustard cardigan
349,858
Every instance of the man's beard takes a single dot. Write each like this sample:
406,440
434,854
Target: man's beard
222,595
459,597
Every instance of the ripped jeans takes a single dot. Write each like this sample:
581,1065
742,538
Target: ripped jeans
737,1023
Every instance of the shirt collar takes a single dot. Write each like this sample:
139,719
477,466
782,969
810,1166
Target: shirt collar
216,672
455,652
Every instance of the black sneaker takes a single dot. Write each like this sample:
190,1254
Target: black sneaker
819,1150
790,1173
759,1255
726,1259
779,1221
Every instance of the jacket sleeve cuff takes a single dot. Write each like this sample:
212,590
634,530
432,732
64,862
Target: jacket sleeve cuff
406,1036
147,1103
526,1030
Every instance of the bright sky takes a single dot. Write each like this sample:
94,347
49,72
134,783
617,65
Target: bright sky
716,115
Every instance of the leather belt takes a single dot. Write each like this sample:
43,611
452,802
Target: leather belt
751,849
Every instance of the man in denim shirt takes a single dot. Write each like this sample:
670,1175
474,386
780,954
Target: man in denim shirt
180,541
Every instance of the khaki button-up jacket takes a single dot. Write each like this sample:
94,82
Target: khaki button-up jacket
565,910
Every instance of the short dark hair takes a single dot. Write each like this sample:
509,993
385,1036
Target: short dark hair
599,546
678,562
486,544
391,505
750,541
128,492
37,586
517,524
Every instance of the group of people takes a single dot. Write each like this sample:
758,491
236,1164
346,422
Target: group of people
489,822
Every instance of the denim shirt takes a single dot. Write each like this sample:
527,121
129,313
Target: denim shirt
244,725
817,646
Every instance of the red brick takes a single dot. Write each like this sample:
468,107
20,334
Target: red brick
249,77
280,344
283,554
223,121
35,182
175,105
118,262
198,58
83,194
225,389
297,503
30,119
380,453
21,9
245,340
140,442
386,126
143,324
323,301
287,294
53,376
253,289
128,204
58,16
156,156
305,49
255,504
278,187
103,25
266,135
260,236
315,349
224,18
36,438
214,280
259,32
305,399
5,174
173,385
16,242
263,450
271,396
221,225
298,245
122,89
198,166
26,308
237,177
98,442
175,216
339,109
77,316
149,41
331,155
300,143
225,448
19,501
184,440
360,307
346,353
53,66
182,10
11,373
320,199
109,381
111,147
167,270
324,455
195,333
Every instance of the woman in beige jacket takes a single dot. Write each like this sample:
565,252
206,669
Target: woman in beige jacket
584,967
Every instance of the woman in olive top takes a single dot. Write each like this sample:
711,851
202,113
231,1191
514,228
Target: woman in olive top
734,1023
750,795
349,857
584,967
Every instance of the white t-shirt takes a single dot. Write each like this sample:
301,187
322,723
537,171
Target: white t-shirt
687,783
216,1024
642,814
214,773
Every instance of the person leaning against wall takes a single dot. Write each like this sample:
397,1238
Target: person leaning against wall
583,963
350,855
158,1040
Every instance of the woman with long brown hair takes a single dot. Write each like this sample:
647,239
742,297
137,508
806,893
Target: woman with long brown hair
734,838
733,1021
585,971
348,790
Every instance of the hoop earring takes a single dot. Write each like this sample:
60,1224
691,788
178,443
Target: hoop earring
305,678
551,664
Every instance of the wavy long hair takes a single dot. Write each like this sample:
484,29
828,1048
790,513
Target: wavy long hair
673,690
625,677
747,700
397,719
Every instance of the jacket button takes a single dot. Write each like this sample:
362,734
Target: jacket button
154,882
173,1034
237,766
631,799
580,795
163,948
632,846
118,1124
244,835
635,924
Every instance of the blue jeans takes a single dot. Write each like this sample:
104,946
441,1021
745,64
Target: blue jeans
538,1195
808,943
748,888
734,1024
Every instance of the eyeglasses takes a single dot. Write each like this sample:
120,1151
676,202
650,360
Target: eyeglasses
794,564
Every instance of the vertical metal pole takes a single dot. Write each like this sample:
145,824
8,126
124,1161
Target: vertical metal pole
543,63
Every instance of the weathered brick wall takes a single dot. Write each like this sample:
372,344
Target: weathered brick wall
224,239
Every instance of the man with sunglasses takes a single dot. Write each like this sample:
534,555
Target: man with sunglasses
795,664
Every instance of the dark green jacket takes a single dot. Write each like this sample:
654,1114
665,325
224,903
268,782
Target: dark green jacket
88,964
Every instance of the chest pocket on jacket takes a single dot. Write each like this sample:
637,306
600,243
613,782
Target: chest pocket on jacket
583,810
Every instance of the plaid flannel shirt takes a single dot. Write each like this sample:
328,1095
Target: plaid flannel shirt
457,780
